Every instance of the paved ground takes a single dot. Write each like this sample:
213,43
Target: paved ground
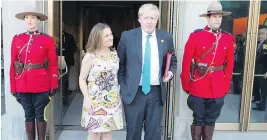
219,135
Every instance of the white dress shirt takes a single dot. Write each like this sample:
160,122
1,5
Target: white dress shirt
154,60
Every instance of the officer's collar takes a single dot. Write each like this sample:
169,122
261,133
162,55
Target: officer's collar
207,28
33,32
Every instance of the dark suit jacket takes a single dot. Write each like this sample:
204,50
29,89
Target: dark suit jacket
130,55
69,48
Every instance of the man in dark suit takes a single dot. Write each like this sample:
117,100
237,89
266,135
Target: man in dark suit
68,50
142,61
261,58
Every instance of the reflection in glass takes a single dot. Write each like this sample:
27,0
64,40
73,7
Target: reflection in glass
236,24
259,111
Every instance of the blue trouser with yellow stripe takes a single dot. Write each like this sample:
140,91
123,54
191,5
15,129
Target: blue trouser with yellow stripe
34,105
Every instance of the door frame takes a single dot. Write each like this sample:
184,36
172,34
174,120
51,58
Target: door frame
165,22
252,30
52,7
249,68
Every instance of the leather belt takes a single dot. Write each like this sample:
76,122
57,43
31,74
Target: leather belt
34,66
216,68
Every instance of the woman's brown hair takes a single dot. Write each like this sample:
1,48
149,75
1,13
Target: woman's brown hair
94,39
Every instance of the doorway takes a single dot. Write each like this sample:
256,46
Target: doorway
79,18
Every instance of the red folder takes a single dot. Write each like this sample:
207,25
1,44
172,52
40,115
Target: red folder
168,62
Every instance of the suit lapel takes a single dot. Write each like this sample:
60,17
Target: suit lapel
138,43
161,43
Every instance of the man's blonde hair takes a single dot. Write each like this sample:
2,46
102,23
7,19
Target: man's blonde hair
149,6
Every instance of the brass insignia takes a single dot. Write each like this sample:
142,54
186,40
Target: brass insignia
264,46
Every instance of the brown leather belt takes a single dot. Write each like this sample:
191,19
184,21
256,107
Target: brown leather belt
216,68
34,66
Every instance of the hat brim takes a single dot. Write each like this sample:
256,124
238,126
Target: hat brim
224,13
23,14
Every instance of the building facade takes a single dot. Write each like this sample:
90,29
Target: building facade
238,120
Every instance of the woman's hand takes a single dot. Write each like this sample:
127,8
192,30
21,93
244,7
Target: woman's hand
88,106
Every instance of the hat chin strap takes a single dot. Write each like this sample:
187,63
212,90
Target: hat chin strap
212,27
214,30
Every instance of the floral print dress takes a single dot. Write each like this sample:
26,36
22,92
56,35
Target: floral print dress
103,89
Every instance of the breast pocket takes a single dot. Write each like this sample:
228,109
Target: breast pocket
221,51
38,50
202,48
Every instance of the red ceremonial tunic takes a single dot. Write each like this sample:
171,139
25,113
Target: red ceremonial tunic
40,49
215,84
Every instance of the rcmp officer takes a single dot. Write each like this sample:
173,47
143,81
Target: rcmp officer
33,71
213,53
261,59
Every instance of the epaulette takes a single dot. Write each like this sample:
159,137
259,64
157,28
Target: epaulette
226,32
44,34
20,34
198,30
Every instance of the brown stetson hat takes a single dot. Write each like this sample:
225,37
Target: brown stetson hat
31,11
215,8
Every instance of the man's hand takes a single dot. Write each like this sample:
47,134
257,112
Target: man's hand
52,92
168,77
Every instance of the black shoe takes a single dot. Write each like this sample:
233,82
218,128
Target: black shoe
258,109
256,101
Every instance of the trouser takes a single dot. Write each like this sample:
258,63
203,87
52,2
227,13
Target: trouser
256,88
236,78
34,105
263,87
205,111
147,110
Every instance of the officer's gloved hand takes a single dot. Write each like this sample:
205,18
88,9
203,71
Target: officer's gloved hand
52,92
14,94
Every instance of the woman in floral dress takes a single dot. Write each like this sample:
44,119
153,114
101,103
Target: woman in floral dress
102,106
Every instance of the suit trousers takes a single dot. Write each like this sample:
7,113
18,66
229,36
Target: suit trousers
144,110
263,94
34,105
205,110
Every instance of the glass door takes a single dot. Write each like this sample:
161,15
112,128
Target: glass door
257,109
238,24
166,23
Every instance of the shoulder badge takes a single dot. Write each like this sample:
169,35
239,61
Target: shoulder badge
44,34
226,32
198,30
20,34
264,46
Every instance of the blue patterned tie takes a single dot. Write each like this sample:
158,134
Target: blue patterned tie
146,67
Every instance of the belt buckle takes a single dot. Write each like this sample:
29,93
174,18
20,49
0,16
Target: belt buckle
211,69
